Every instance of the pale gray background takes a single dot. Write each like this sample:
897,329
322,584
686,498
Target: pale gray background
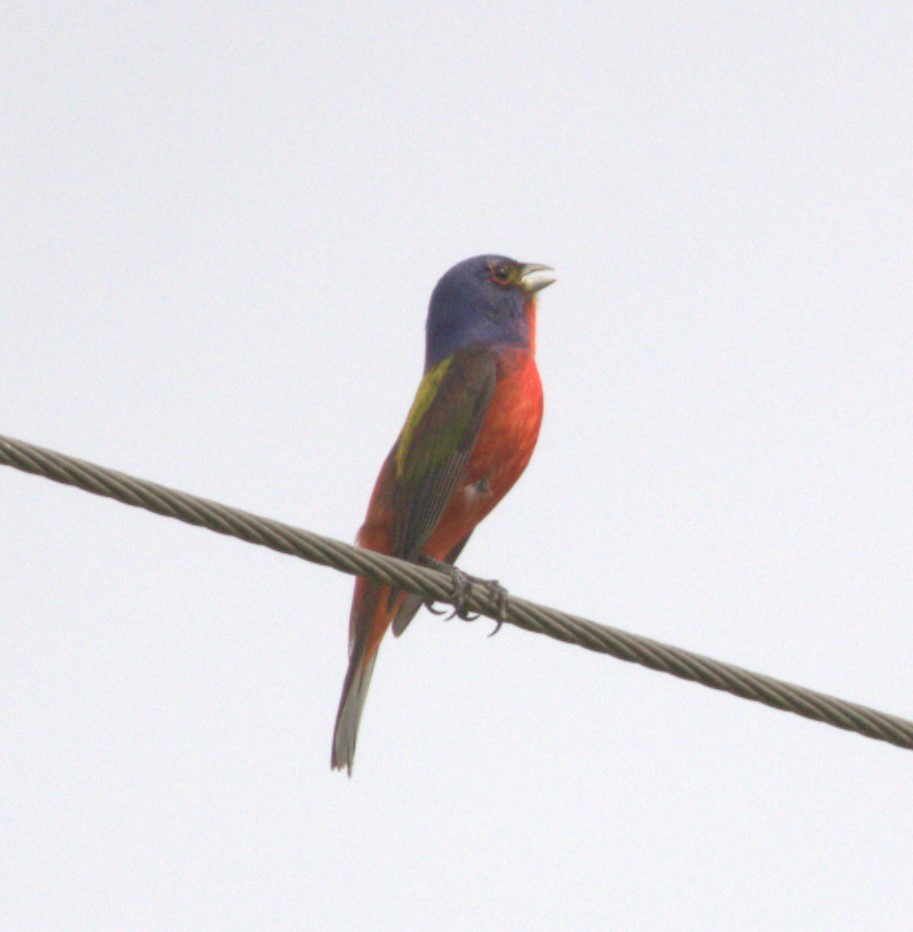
220,227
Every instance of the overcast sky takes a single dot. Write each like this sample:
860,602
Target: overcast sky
220,228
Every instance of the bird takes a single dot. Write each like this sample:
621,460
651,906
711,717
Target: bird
466,440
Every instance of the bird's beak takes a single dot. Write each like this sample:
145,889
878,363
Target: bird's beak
534,277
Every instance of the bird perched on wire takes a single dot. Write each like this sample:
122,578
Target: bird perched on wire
467,438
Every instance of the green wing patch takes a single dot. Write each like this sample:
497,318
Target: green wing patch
427,392
435,444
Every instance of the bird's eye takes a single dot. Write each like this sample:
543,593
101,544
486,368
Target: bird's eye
500,274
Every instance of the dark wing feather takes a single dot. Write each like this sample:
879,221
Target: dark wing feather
436,449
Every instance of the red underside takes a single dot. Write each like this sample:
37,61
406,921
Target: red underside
504,446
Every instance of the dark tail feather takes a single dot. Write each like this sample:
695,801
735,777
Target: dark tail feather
354,692
409,606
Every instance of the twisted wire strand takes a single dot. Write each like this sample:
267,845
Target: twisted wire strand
437,586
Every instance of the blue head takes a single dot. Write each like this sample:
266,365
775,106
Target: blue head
482,300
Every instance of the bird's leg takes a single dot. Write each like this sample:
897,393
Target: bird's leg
462,587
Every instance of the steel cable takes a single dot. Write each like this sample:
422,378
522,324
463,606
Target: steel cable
437,586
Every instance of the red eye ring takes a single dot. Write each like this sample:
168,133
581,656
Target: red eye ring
500,274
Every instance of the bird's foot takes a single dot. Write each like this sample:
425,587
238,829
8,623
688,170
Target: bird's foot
462,587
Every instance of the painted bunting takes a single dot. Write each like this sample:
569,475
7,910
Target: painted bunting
467,438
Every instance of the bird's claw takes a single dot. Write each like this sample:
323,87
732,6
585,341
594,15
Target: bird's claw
462,588
499,595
